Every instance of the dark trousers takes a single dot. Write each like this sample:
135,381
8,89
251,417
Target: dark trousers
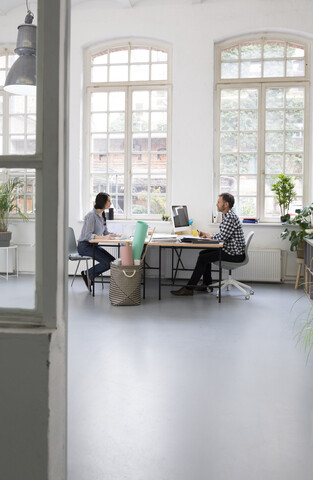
204,265
101,255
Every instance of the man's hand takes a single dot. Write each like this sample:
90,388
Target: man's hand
205,235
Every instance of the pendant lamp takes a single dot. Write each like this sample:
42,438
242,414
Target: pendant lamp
21,78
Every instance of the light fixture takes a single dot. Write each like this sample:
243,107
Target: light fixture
21,78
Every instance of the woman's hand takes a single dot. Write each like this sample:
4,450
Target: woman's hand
110,236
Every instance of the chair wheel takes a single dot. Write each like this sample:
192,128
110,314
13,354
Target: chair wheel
251,292
247,297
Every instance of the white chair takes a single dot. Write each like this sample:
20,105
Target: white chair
230,282
73,254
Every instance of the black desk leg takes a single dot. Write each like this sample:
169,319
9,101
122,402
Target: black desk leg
219,274
160,251
93,268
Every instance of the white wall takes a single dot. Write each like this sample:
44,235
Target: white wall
191,31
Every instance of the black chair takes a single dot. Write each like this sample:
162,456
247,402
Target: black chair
73,254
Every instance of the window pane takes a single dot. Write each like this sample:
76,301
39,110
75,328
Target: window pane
294,163
100,59
295,68
99,102
98,122
119,55
98,143
294,50
274,68
31,124
269,180
249,120
274,163
140,163
229,120
274,142
16,145
20,256
158,204
140,122
247,207
229,164
250,69
159,100
139,72
229,99
139,55
140,100
158,184
274,50
274,119
140,142
294,119
251,50
249,98
17,124
247,185
99,163
159,71
158,56
116,101
17,104
118,73
229,70
158,121
116,163
294,142
158,162
117,122
274,98
158,142
295,97
231,53
228,184
248,142
139,204
229,142
99,74
116,142
271,207
247,163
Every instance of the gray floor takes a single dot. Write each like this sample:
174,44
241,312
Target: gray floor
187,389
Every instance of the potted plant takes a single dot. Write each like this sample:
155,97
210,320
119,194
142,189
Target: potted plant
285,192
8,205
303,220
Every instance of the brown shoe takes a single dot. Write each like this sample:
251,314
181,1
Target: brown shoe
183,292
201,288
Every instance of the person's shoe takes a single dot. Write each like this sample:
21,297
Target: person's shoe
183,292
88,282
201,288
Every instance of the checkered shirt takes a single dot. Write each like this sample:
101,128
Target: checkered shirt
231,234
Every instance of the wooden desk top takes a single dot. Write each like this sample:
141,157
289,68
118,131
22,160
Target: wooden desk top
118,241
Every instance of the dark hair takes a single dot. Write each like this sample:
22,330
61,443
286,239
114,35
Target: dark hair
100,202
228,197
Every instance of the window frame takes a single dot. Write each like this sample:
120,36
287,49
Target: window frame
261,84
128,87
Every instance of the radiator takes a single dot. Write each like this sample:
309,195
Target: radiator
263,266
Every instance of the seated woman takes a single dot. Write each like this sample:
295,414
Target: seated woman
95,228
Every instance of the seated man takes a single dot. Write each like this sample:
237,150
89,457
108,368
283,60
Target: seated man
231,234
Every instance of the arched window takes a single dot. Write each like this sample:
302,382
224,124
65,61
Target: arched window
262,86
128,103
17,134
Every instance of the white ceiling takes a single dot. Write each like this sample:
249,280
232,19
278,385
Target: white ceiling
7,5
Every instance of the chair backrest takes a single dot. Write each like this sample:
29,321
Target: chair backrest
72,245
248,240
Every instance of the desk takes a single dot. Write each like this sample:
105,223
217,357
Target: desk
176,247
11,247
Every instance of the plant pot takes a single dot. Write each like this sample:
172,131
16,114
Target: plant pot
5,238
285,218
300,250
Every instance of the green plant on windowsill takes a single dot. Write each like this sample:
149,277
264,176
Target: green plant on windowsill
284,188
8,205
302,219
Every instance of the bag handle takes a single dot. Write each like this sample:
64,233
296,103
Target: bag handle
131,275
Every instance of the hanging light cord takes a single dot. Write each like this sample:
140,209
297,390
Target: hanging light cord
30,16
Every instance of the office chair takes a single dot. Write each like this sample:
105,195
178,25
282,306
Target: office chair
73,254
229,282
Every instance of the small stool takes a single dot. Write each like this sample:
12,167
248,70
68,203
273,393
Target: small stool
300,262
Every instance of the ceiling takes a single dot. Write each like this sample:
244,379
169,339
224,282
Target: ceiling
7,5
